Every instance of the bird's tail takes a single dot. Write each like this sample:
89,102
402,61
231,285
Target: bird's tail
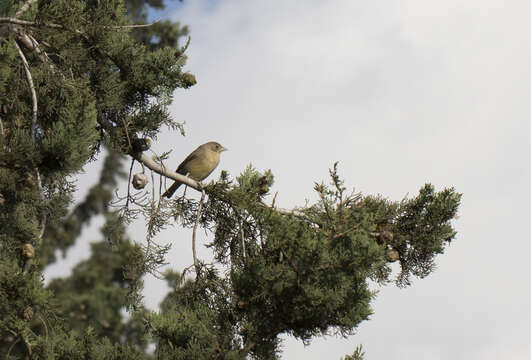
173,188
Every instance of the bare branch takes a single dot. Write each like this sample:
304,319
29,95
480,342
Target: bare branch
133,25
194,254
335,236
24,7
15,21
31,43
32,89
162,170
282,211
33,124
243,239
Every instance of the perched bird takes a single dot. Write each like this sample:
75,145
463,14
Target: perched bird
198,165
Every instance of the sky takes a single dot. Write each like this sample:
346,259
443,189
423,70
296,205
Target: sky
400,93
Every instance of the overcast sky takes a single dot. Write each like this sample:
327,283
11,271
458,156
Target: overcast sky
400,93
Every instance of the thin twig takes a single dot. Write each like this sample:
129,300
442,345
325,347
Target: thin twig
32,89
282,211
132,25
196,263
15,21
43,218
161,176
243,239
11,347
28,346
44,323
129,183
152,187
24,7
335,236
43,225
34,45
33,122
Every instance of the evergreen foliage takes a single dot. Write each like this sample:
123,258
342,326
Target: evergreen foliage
77,78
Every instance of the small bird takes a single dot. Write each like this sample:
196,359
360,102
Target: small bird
198,165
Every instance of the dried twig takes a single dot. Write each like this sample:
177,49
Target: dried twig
196,263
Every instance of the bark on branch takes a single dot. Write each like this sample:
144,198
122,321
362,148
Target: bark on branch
24,7
32,90
162,170
15,21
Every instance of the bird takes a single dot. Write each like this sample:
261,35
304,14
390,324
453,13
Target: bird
198,165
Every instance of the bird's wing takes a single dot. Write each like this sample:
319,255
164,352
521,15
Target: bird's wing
181,169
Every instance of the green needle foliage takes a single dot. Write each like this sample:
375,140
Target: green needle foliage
77,81
303,272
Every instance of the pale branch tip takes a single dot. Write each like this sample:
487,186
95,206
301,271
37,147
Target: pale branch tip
32,89
24,7
33,128
15,21
133,25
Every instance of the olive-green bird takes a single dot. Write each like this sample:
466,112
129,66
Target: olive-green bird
198,165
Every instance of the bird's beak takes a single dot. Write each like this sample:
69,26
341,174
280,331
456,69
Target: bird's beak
223,149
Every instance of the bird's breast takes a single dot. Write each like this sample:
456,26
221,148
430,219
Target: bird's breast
200,168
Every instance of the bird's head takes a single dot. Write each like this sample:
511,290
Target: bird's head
216,147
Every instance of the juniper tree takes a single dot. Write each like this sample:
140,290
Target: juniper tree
77,77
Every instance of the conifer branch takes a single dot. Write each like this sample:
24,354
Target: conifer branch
32,89
15,21
33,125
31,43
25,7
